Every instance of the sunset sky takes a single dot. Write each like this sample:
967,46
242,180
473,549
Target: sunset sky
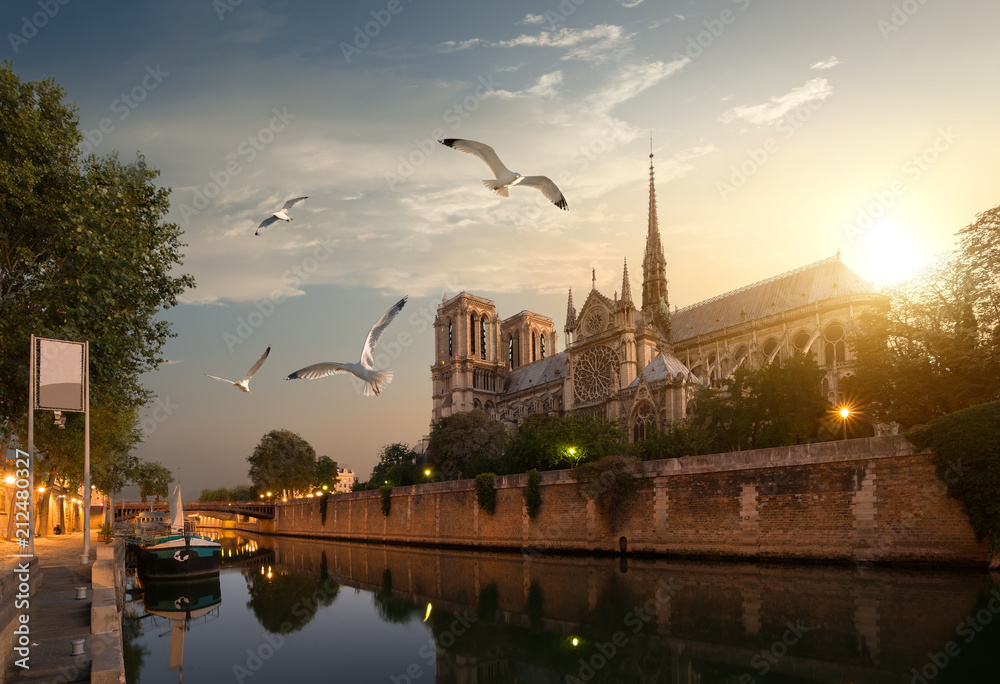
783,131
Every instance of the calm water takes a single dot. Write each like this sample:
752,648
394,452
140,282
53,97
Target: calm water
301,611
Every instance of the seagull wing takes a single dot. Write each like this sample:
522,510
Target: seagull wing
291,203
375,334
220,379
548,189
256,366
480,151
318,370
265,223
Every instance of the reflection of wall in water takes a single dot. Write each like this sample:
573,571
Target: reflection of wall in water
710,621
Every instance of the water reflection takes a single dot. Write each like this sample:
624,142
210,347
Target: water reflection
507,618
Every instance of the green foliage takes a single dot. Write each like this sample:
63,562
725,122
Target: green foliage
323,499
84,255
966,447
237,493
486,492
282,461
386,492
153,479
532,493
461,436
610,482
933,346
682,438
326,474
777,405
359,486
544,442
395,467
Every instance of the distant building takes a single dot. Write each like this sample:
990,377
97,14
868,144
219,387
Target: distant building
640,363
345,479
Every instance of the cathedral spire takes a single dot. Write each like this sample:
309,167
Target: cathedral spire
654,265
626,286
570,313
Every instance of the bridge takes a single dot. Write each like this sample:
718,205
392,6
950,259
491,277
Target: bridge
130,509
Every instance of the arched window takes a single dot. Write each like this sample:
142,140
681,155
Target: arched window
451,348
801,340
534,350
482,338
542,348
510,351
835,348
769,348
643,419
472,334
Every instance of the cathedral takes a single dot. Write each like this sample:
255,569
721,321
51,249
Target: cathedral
641,363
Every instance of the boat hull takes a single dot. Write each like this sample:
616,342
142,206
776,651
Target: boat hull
180,556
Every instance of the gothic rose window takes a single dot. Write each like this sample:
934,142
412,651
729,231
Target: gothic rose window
597,321
595,375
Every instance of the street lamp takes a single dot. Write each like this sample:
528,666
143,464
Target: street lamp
844,413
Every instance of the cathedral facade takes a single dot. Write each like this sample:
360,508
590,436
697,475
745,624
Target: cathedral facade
639,362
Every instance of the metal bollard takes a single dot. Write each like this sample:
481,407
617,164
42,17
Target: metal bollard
77,647
81,593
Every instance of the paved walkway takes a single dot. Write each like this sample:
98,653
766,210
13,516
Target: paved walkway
56,615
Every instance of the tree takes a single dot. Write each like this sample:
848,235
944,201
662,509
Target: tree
282,461
458,438
545,442
396,467
84,255
326,474
683,438
926,352
153,479
777,405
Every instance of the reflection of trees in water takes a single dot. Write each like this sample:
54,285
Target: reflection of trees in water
133,651
391,609
285,602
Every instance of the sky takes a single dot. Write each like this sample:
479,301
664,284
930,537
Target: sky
783,131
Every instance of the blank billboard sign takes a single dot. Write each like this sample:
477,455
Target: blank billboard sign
61,373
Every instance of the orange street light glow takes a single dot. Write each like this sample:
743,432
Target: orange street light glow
845,412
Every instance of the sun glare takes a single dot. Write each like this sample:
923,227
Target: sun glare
891,254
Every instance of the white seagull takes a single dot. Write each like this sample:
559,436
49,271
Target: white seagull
243,385
281,214
504,176
374,380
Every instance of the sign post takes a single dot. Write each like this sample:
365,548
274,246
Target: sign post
60,381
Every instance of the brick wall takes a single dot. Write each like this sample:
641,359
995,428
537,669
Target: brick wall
864,500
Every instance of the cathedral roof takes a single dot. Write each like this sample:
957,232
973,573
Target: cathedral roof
664,367
823,280
536,373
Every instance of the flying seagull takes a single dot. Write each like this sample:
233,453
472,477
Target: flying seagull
374,380
243,385
504,176
280,214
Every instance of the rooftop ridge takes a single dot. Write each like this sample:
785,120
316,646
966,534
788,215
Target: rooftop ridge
829,260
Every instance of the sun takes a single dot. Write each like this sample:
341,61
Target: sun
891,254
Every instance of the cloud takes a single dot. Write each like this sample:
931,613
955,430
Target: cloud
365,237
455,46
544,87
814,90
596,44
630,3
534,19
171,362
631,81
826,64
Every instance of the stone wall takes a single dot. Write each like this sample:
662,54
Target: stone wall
864,500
